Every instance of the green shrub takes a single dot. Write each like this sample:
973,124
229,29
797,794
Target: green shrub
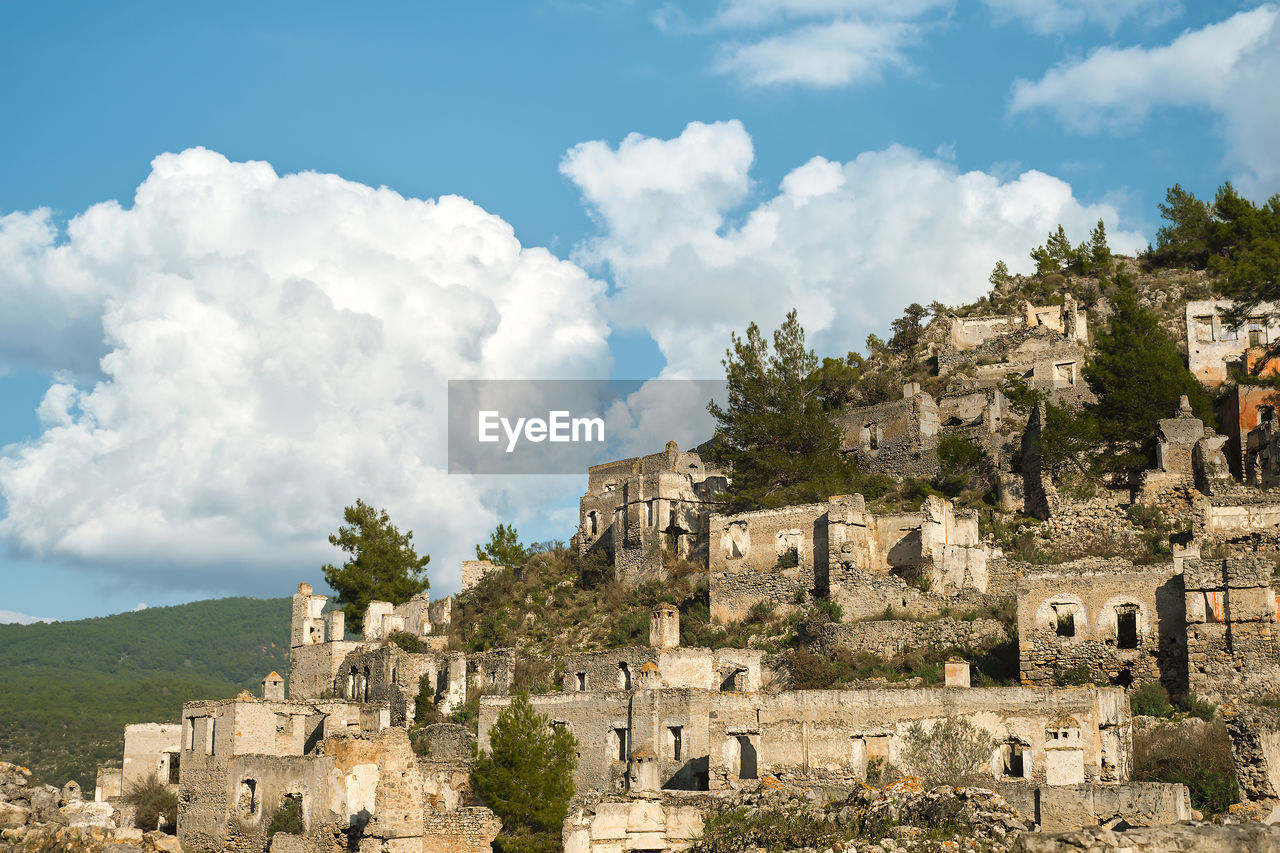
772,829
760,612
1200,759
526,777
407,641
826,610
424,704
952,752
1150,700
155,806
789,559
288,817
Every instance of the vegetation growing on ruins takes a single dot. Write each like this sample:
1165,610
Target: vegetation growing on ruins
526,777
504,547
1197,755
775,431
155,806
382,565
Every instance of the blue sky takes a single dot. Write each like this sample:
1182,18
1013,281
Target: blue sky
196,378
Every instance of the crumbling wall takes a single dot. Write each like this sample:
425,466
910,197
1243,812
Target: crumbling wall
620,826
646,510
898,438
1212,344
1231,613
1069,807
848,554
1103,620
1255,746
749,556
887,638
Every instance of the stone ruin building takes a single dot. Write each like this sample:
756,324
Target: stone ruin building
649,510
1214,345
338,744
661,728
1045,344
911,562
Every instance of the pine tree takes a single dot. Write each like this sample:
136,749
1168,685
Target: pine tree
504,548
526,777
775,432
1138,376
383,565
1099,252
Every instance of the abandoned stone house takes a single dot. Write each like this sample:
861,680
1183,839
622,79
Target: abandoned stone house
648,509
355,778
898,438
338,745
1214,346
864,562
1045,344
1208,626
683,726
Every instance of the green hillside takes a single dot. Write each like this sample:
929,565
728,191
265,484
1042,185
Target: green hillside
67,689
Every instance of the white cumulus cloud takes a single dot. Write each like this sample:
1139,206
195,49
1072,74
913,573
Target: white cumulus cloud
252,352
1228,68
848,244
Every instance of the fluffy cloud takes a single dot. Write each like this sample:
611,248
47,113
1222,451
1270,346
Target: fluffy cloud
819,43
1227,68
849,244
1053,16
268,349
828,54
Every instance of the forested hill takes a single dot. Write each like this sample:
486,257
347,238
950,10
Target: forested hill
67,689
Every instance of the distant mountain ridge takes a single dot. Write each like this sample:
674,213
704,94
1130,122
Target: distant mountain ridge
68,689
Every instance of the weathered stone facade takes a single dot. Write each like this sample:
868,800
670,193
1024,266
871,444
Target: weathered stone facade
1046,345
887,638
648,509
1102,620
1231,613
1212,344
898,438
839,550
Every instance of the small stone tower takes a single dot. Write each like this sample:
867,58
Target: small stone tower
664,627
273,687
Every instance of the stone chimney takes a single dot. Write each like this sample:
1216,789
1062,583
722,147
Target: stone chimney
664,627
273,687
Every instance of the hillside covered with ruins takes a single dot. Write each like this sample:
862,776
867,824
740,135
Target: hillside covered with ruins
1040,532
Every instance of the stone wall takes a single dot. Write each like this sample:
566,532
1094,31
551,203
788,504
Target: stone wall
860,560
702,740
1255,745
892,637
1070,807
1212,344
621,826
1105,620
1231,613
898,438
646,510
